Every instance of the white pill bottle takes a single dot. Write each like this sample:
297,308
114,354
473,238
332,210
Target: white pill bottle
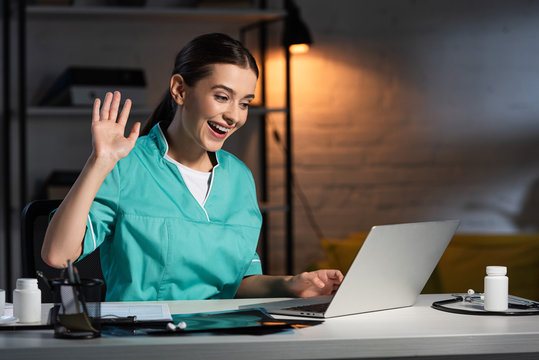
496,289
27,301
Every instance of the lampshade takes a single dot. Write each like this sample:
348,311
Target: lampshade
295,30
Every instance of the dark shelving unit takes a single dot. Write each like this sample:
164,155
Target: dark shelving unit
253,19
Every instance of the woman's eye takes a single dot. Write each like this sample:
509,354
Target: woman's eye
221,98
244,105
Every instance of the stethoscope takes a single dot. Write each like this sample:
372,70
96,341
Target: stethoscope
518,305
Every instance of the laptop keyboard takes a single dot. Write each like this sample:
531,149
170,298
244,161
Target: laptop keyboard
316,308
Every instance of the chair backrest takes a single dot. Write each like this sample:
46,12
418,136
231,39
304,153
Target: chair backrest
34,222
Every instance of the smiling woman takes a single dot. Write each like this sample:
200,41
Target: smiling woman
175,216
209,112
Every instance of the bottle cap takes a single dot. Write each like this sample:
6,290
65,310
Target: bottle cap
497,270
26,283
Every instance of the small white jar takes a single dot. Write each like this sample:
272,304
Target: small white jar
27,301
2,301
496,289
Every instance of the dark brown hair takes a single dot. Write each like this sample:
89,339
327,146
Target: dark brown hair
194,62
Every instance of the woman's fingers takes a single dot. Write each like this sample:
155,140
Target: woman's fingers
109,110
312,277
323,278
108,129
335,275
124,115
319,282
95,110
105,110
133,135
115,105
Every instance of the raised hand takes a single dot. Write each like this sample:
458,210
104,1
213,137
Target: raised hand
108,129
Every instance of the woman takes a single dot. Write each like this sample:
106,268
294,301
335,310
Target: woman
175,216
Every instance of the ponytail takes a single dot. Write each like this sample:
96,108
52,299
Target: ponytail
164,113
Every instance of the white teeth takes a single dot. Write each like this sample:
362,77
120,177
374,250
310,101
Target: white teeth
221,128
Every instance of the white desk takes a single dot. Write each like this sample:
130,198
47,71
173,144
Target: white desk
417,331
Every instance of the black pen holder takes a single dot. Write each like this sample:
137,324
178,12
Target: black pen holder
77,310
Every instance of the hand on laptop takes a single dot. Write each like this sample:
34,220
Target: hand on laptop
315,283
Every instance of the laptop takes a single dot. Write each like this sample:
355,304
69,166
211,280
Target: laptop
388,272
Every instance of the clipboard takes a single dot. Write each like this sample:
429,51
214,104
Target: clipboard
244,321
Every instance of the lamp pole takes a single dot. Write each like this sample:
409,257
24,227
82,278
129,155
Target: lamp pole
6,142
289,175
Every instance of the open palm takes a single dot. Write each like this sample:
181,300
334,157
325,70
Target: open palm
108,129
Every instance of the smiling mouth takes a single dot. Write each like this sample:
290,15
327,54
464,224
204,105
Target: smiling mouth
218,128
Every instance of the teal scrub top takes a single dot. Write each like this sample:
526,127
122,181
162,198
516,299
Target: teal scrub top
158,243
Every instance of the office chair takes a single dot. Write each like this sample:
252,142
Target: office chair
34,221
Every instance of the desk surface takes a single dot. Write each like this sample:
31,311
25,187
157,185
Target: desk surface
417,331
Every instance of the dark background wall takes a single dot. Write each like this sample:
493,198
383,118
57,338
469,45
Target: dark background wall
403,111
416,110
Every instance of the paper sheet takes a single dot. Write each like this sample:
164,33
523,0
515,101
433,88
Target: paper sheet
143,312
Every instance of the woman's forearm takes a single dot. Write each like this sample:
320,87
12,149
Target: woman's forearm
259,286
306,284
65,233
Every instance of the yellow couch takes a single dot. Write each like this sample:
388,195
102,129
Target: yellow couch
463,264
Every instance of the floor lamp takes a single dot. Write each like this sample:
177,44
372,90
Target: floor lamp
296,39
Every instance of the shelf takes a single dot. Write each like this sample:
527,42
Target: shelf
44,111
64,111
218,15
267,207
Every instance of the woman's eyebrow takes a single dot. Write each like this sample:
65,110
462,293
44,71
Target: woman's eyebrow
226,88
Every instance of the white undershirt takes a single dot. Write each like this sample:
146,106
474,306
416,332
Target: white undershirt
198,182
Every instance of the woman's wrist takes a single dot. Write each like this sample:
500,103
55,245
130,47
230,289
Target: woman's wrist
101,164
287,286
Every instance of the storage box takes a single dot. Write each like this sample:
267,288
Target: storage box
79,86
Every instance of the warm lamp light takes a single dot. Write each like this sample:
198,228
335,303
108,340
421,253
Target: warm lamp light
298,48
295,30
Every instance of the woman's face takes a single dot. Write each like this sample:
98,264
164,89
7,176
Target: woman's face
216,106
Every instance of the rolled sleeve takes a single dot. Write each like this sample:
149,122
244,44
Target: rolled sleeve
255,268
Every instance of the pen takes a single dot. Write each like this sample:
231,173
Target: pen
73,285
80,289
44,278
70,274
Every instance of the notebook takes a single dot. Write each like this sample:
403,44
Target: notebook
388,272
